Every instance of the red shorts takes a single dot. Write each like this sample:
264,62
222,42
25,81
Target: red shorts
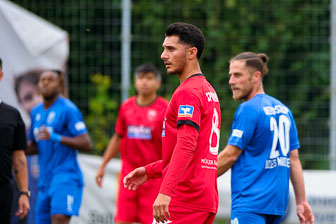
181,215
137,206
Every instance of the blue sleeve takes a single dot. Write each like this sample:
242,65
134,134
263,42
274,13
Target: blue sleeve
244,124
294,139
75,122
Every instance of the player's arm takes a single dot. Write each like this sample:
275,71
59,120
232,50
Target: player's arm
184,150
21,176
182,155
140,175
81,142
111,151
31,148
303,209
227,158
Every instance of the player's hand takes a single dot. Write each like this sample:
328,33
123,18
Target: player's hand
305,213
43,134
23,206
160,208
135,178
99,176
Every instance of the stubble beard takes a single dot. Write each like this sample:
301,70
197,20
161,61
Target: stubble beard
179,68
243,94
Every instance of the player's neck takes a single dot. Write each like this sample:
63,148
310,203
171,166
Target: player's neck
190,69
145,100
48,101
258,91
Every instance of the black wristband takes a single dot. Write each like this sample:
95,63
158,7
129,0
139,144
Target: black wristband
25,193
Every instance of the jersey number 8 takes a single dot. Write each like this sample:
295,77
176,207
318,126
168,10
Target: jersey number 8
214,130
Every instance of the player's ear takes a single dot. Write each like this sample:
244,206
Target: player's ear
158,85
257,76
1,75
192,52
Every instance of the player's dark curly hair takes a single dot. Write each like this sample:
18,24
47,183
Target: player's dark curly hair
254,61
188,34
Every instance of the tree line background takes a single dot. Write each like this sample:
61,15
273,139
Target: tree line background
293,33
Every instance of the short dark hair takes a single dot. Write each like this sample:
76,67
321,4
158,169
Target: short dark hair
188,34
148,68
253,60
0,63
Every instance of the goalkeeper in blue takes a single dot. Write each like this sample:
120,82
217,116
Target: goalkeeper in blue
262,150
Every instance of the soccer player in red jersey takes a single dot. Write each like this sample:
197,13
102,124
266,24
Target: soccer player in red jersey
138,138
190,137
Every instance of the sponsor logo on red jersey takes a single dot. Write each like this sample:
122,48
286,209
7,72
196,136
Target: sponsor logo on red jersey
185,111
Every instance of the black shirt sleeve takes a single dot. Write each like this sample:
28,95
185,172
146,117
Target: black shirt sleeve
20,139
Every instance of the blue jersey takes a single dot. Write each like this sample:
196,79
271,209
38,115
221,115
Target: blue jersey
265,131
58,163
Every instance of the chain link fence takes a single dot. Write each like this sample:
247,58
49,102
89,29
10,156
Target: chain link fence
294,34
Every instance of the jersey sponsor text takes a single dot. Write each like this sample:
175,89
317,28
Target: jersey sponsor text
275,110
279,161
209,163
139,132
212,97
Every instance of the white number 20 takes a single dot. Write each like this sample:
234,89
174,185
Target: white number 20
280,134
214,130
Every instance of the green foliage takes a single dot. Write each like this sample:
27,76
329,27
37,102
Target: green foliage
102,112
289,32
294,34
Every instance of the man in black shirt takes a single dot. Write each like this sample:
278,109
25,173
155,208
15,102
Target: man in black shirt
12,145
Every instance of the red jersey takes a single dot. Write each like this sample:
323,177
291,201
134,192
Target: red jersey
140,128
190,169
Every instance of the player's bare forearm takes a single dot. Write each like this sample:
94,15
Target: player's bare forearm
20,169
112,149
81,142
304,211
227,158
31,148
296,176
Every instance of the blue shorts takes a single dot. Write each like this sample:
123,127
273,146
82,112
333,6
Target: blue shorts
248,217
64,199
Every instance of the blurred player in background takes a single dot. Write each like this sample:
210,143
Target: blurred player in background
57,131
12,144
262,149
188,193
138,138
28,96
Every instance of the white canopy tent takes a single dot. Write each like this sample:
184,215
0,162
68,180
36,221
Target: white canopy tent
27,42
